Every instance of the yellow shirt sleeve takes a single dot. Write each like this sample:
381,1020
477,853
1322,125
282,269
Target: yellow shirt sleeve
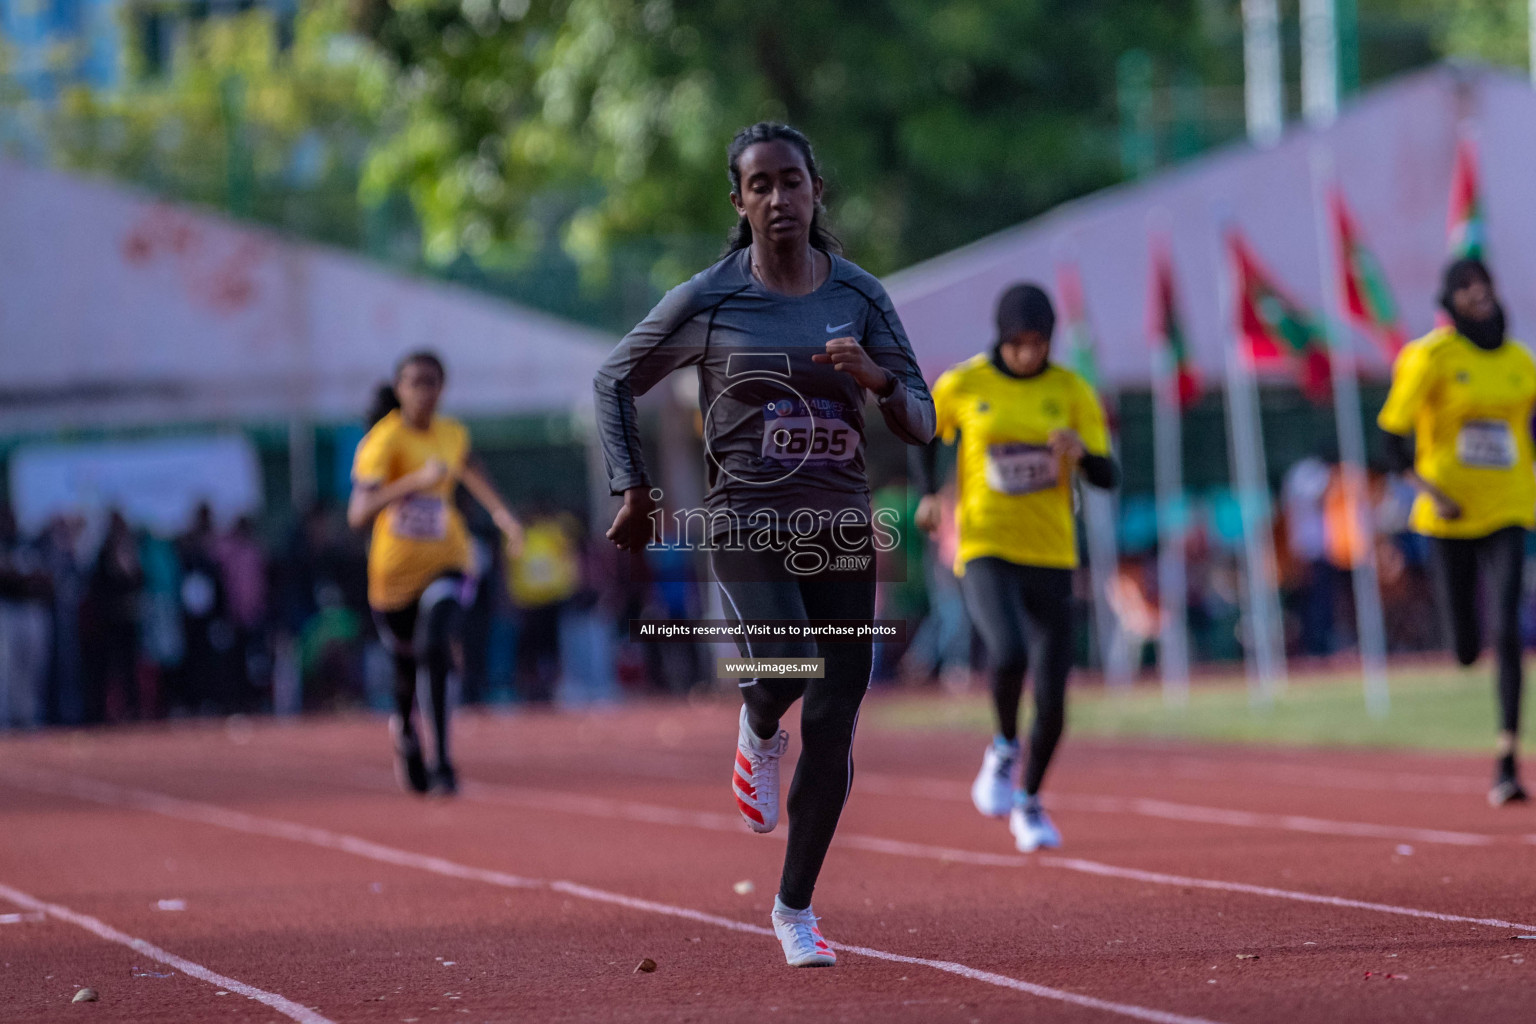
1412,378
946,412
371,463
1089,421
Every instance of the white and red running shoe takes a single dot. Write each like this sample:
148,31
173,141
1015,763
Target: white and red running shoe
801,939
992,792
755,780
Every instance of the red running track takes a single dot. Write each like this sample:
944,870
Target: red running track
272,872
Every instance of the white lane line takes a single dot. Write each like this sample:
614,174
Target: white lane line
212,814
1280,822
938,789
1327,778
603,807
1090,867
101,929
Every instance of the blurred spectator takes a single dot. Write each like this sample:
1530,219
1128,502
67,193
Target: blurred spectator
110,628
675,667
65,564
330,653
943,645
243,570
541,581
205,683
1137,613
25,628
161,610
1306,538
902,594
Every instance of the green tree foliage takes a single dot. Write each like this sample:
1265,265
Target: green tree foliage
1490,30
518,144
605,121
237,123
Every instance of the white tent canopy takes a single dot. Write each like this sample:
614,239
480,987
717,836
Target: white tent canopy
116,310
1393,152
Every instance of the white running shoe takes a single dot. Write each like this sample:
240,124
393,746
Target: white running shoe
802,941
992,792
1032,828
756,778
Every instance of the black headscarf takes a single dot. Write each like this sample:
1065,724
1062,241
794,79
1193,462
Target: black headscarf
1024,307
1487,333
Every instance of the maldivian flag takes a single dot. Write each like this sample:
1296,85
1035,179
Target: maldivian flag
1464,228
1168,331
1274,328
1082,349
1367,297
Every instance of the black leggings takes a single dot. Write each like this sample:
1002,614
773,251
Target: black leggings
1024,614
754,585
426,631
1457,566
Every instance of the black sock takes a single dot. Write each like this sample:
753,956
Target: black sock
1507,766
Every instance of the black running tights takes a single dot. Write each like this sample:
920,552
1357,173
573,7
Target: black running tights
1458,567
1024,615
425,633
830,708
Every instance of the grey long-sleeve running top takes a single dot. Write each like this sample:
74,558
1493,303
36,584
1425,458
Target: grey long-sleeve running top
781,433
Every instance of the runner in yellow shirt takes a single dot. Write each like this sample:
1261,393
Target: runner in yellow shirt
1462,397
404,476
1025,429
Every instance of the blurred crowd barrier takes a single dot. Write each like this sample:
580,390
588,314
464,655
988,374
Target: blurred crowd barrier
108,622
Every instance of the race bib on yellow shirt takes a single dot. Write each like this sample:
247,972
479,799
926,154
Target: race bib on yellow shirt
1485,444
1018,468
420,517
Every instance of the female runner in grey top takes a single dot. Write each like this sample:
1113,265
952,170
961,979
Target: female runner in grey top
787,337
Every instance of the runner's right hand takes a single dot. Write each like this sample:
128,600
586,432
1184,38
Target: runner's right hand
431,473
1445,506
927,515
632,527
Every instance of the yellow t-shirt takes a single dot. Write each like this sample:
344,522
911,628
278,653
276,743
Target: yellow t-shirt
1015,499
548,570
1469,410
420,537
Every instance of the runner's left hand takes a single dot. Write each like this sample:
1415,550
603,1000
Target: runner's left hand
1065,444
847,356
512,535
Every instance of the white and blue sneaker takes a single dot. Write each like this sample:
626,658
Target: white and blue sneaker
1032,828
992,792
801,938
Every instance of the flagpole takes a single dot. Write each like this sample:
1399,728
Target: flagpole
1172,531
1263,87
1319,62
1100,511
1168,477
1370,621
1264,650
1531,39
